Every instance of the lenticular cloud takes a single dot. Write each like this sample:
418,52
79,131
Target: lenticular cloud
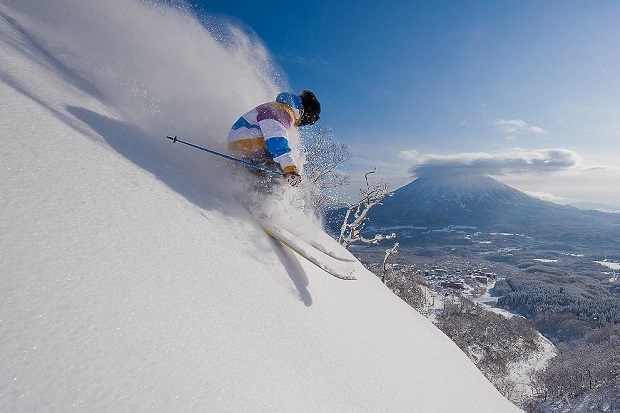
500,163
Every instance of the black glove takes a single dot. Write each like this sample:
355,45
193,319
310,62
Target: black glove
292,178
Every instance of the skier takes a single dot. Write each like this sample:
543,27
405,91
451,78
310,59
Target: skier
261,135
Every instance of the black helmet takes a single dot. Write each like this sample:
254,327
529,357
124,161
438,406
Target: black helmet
311,108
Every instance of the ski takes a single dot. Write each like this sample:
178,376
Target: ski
332,254
320,241
340,253
337,268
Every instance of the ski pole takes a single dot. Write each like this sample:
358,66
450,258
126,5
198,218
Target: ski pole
231,158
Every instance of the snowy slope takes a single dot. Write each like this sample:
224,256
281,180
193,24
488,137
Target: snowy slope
130,278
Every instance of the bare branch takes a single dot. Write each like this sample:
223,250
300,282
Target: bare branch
351,229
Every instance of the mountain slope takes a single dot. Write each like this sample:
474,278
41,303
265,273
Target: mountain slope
132,280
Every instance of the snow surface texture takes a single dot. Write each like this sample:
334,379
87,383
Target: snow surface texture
130,278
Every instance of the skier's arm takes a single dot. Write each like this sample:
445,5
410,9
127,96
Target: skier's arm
274,124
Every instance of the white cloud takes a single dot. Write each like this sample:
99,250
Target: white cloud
517,126
498,163
545,196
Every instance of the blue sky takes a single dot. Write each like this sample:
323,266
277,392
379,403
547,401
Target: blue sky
528,91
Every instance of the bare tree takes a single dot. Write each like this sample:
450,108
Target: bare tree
388,253
355,217
323,158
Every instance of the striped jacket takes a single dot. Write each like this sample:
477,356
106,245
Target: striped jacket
263,132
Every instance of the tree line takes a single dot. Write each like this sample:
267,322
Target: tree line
534,298
584,376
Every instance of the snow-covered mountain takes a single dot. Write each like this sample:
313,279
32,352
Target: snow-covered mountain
452,199
131,279
483,202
